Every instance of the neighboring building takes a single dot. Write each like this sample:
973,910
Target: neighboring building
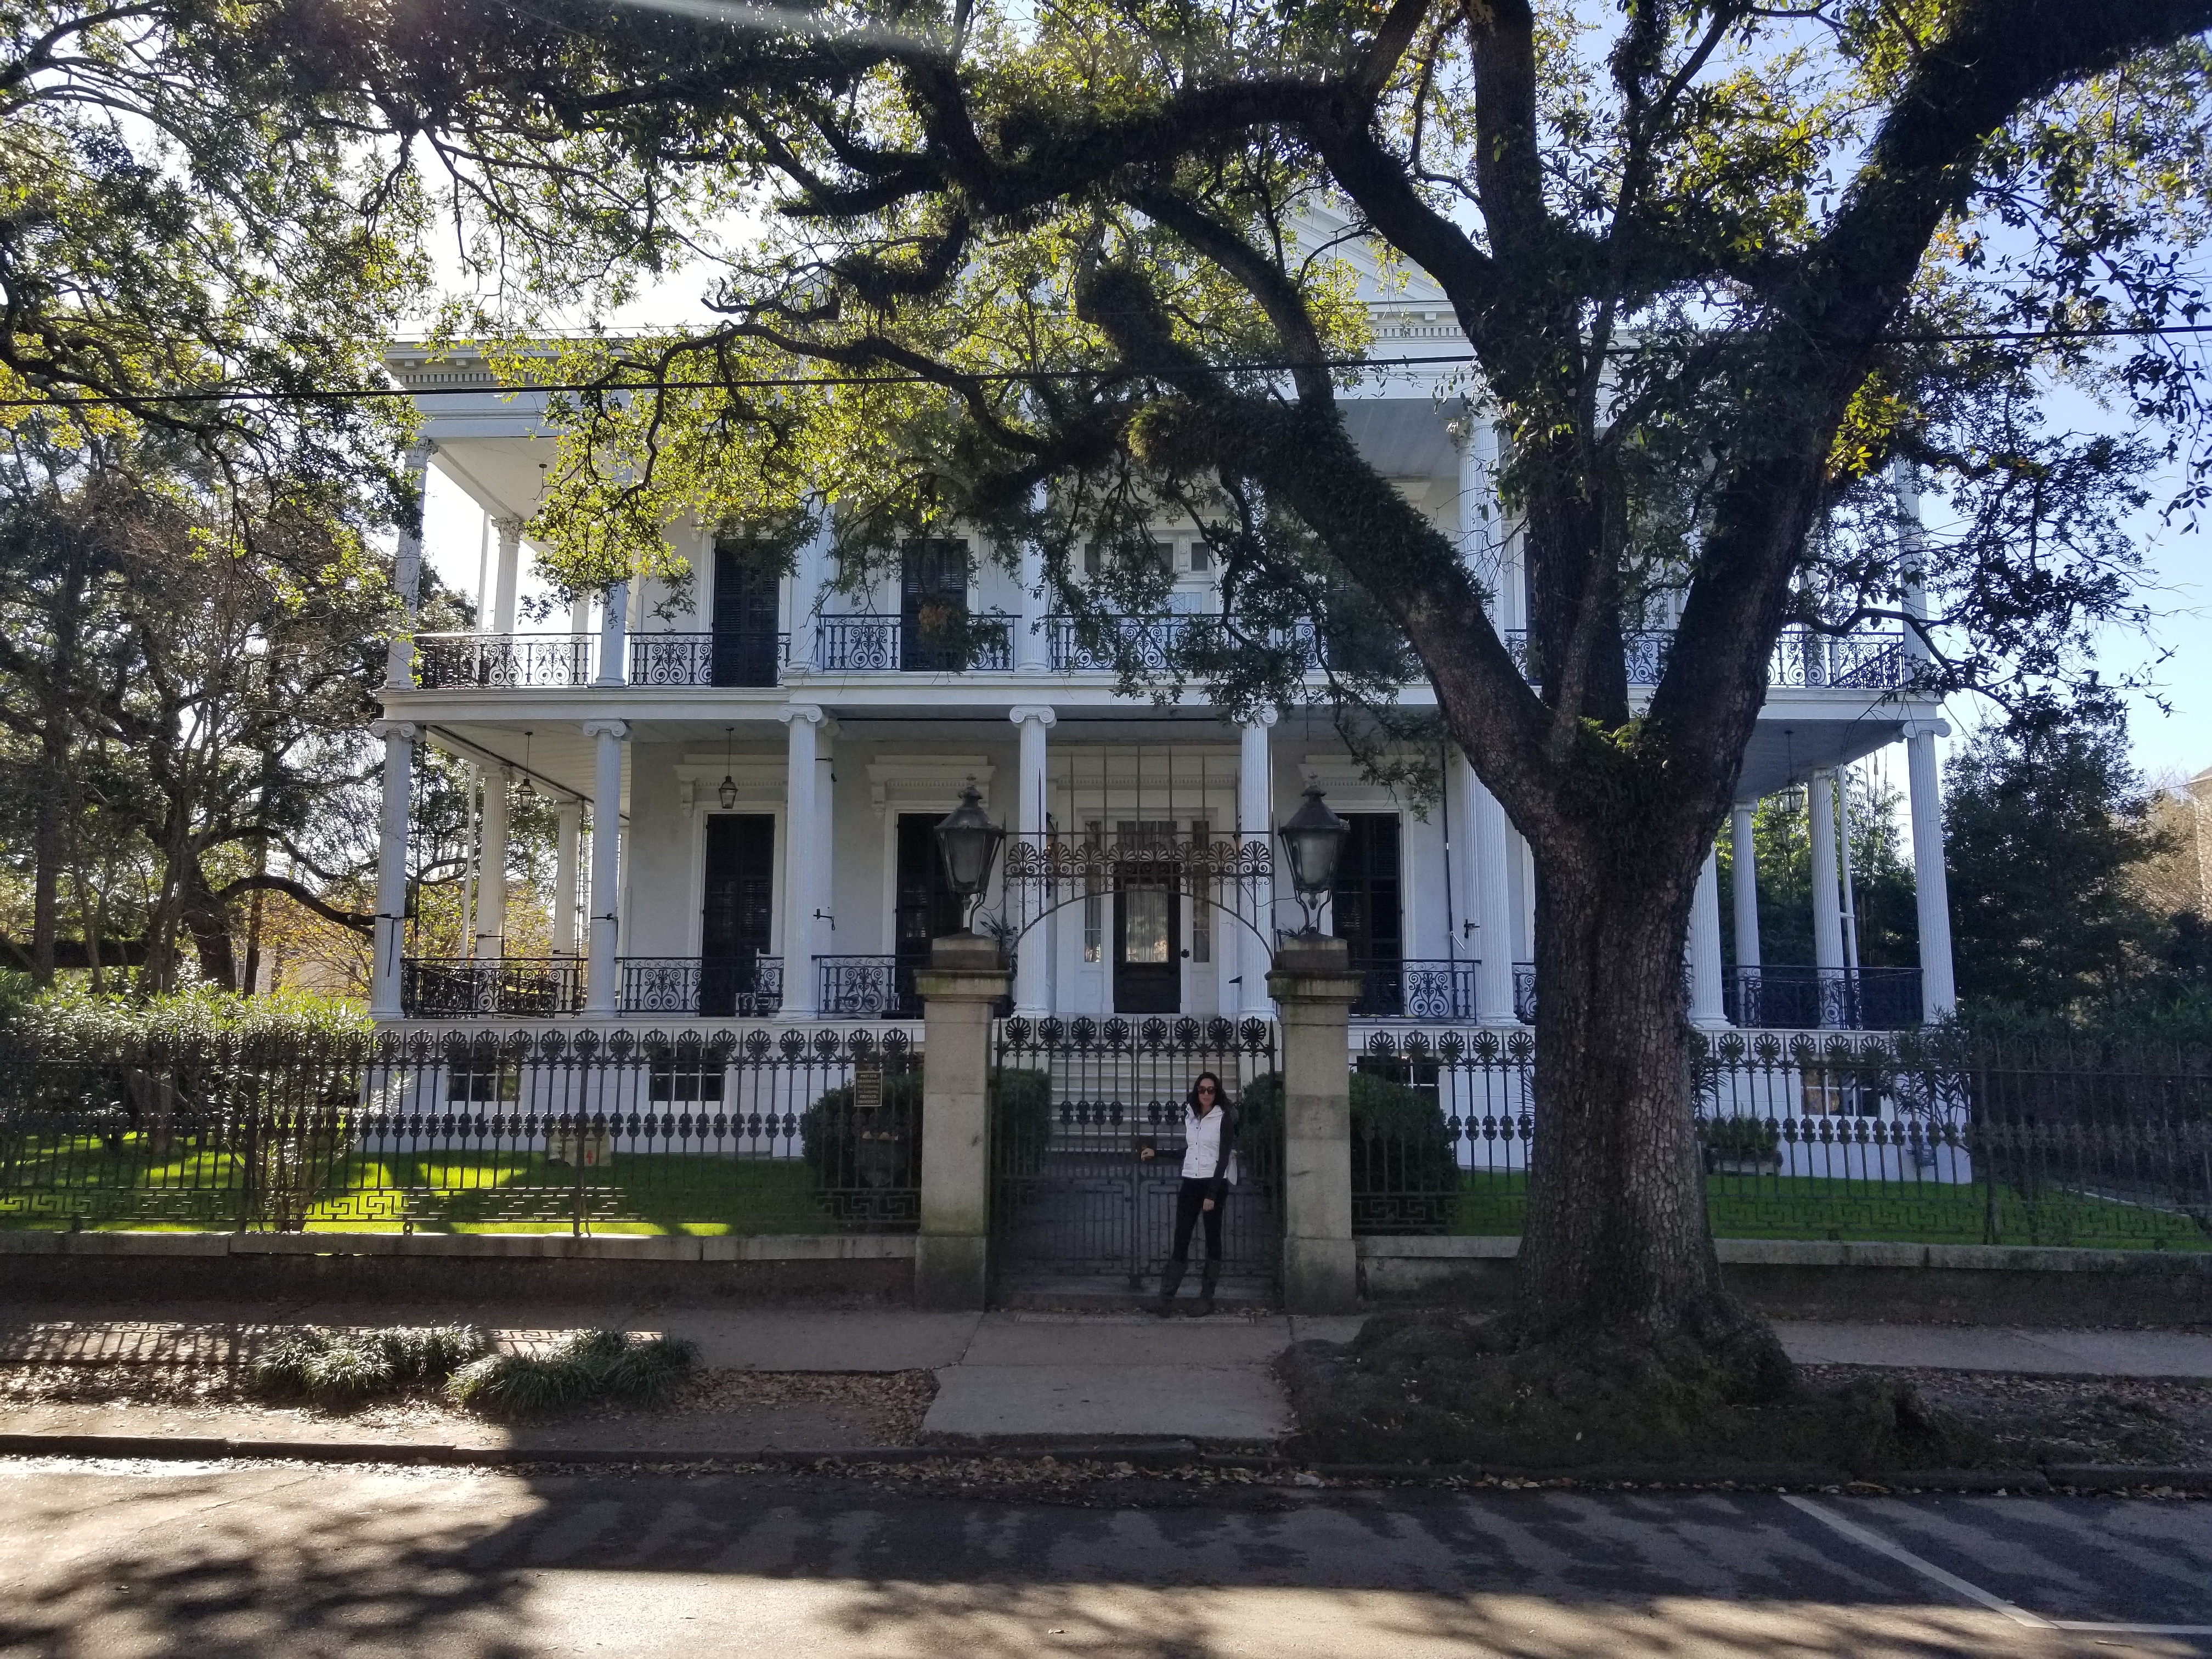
778,757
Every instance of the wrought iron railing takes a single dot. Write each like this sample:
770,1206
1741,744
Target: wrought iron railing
711,988
732,659
1417,990
870,644
1105,644
1936,1137
1524,992
752,1131
463,988
444,662
1863,659
1792,997
867,987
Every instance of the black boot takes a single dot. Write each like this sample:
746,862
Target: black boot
1170,1282
1207,1281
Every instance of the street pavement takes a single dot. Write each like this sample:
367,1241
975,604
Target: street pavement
116,1561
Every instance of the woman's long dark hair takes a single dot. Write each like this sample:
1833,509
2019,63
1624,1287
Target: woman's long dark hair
1220,1093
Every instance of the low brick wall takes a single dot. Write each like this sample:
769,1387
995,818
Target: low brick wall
1789,1278
826,1270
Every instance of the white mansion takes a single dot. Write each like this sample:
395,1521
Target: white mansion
776,757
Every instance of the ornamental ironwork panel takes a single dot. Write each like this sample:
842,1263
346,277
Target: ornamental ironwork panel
1787,996
1417,988
809,1129
867,987
461,988
1860,659
719,990
878,645
502,661
1042,872
1075,1107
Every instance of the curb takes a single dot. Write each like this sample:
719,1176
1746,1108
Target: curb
1170,1453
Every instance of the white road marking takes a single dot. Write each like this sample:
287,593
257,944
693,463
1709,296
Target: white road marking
1951,1580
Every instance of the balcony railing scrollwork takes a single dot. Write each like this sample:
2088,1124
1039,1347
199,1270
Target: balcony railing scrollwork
1788,996
494,662
450,987
710,987
1417,990
871,644
866,988
1867,658
727,659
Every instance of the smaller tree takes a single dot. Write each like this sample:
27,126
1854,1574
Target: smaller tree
2044,818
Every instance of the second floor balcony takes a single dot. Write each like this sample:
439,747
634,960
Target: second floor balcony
987,643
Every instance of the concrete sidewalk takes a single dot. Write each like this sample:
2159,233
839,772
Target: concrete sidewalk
1014,1377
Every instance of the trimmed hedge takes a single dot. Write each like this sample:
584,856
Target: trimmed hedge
1405,1173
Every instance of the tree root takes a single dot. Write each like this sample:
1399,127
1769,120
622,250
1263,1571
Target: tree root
1439,1386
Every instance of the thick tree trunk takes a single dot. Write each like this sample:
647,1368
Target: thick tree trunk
1617,1245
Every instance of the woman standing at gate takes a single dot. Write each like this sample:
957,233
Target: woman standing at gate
1209,1167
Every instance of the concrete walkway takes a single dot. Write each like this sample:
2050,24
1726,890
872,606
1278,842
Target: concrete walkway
1015,1378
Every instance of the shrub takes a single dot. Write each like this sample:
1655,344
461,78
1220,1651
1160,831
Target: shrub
1739,1137
867,1165
340,1367
589,1367
1405,1171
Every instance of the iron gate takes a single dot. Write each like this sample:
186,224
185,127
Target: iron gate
1075,1104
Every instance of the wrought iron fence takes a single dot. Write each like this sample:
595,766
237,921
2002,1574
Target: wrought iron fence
714,989
1935,1137
502,661
757,1131
1077,1104
1107,643
466,987
1794,998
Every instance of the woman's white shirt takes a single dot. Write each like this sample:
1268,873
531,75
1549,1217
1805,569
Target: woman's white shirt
1201,1153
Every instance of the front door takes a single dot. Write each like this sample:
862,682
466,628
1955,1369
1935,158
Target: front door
745,646
934,606
739,906
928,909
1367,912
1147,920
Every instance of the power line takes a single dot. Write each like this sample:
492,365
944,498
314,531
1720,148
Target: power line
779,382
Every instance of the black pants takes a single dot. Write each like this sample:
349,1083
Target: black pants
1190,1204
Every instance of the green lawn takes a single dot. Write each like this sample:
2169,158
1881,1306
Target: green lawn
443,1191
1925,1212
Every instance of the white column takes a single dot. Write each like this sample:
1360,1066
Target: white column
509,530
1033,959
1493,892
806,579
801,854
569,818
1706,1004
606,865
1827,920
1931,887
1031,656
1255,821
1743,870
407,573
492,868
614,633
384,985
